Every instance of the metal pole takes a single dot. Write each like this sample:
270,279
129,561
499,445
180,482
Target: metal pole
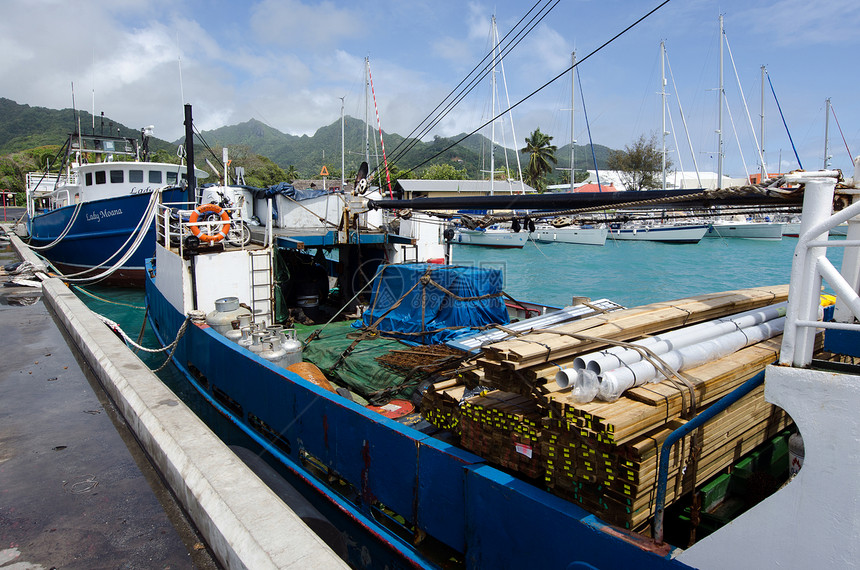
189,156
663,108
763,166
572,107
827,134
342,149
720,114
493,113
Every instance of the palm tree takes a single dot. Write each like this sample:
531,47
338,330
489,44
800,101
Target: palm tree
292,173
541,154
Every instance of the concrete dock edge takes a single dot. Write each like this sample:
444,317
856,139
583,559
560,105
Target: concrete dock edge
243,521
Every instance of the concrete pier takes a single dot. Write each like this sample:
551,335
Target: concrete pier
76,492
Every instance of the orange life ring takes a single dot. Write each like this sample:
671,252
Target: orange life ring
206,209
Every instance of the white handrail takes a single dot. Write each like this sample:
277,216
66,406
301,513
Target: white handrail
811,268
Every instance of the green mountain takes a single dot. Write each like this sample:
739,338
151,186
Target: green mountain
24,127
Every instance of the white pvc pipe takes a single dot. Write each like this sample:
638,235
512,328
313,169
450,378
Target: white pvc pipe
673,340
614,382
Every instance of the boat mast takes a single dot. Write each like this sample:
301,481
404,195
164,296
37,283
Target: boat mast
493,112
763,166
827,134
366,110
572,107
663,106
342,148
189,156
720,114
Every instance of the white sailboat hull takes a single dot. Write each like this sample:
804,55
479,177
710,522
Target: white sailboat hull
491,238
746,230
576,235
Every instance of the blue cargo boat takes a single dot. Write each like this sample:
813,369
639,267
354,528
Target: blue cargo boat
435,504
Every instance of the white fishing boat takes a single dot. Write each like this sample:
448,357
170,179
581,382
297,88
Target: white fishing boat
490,237
581,235
666,233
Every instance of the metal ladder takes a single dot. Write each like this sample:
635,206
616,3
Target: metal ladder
262,290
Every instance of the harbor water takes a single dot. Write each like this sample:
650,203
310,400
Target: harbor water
636,273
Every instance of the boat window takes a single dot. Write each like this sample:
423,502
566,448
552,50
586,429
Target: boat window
89,178
171,178
155,177
117,177
101,177
135,175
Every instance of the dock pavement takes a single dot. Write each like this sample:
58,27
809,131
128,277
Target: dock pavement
101,466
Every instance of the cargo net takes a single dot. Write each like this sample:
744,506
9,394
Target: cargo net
430,304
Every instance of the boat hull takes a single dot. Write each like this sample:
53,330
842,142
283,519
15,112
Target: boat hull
664,234
100,230
579,236
491,238
446,495
747,230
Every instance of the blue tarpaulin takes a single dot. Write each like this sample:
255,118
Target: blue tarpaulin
287,189
474,301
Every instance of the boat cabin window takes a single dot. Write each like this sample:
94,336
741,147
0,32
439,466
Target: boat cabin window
89,178
101,177
171,178
135,175
155,177
117,177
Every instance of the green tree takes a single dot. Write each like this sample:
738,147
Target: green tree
443,171
541,158
639,165
292,173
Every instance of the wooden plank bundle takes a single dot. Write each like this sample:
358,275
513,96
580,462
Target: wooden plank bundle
504,428
440,404
618,483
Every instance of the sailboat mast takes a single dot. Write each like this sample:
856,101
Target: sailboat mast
493,112
663,108
342,149
366,110
572,107
827,134
763,166
720,114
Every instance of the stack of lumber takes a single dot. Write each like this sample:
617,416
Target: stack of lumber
524,363
504,428
440,404
604,455
618,482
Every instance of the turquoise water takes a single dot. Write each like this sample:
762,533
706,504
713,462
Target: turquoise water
636,273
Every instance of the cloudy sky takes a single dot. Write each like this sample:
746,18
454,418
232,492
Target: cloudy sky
288,63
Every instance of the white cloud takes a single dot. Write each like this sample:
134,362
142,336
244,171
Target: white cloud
312,26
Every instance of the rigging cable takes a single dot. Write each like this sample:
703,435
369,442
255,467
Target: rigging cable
850,156
542,87
453,91
473,83
783,120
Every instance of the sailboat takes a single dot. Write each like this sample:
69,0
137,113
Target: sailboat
497,235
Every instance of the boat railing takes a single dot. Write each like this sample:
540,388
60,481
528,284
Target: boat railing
175,224
811,267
